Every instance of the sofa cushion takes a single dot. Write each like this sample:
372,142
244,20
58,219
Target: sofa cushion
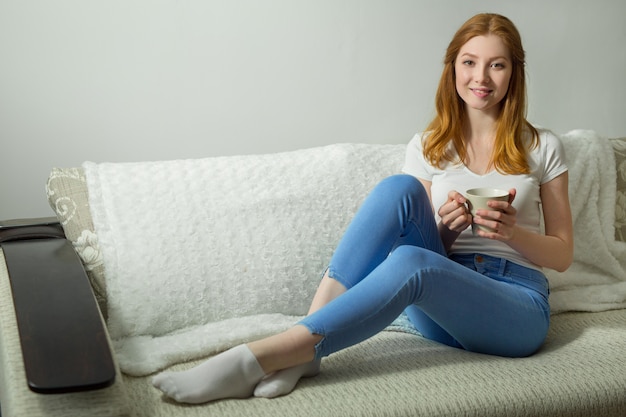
577,372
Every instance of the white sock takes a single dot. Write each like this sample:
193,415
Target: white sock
283,382
231,374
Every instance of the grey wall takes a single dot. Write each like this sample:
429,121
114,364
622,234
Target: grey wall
129,80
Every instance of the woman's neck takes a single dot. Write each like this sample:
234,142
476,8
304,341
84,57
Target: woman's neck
480,127
480,137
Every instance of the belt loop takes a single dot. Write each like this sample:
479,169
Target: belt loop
503,263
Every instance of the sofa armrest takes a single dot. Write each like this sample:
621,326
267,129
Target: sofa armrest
62,335
23,229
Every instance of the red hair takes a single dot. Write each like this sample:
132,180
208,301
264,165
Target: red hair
511,149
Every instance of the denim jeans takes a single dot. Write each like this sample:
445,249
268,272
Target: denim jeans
391,259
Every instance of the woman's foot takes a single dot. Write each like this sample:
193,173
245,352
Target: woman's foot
284,381
232,374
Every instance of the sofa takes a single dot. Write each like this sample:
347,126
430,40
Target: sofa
174,261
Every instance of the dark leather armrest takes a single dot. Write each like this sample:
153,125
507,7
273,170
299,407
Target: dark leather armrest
22,229
64,342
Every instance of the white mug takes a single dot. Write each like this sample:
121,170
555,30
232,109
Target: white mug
477,199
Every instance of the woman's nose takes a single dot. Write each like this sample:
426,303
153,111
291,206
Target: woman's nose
482,75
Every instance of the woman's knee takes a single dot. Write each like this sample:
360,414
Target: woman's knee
401,185
418,256
403,181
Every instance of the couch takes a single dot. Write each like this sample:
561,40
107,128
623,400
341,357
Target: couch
182,259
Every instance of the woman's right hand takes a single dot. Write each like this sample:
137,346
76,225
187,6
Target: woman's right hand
454,213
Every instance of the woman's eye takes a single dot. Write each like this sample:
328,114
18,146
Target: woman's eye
497,65
468,62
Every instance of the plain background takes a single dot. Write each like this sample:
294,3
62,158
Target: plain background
136,80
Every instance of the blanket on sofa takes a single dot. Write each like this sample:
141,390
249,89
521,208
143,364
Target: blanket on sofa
201,255
204,254
596,280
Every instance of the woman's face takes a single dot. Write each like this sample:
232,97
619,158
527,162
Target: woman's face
483,70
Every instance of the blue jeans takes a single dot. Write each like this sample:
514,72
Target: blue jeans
391,259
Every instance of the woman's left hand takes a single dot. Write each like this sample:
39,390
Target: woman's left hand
502,219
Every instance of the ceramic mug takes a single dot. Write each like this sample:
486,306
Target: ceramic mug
477,199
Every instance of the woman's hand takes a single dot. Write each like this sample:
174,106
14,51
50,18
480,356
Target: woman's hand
454,214
502,219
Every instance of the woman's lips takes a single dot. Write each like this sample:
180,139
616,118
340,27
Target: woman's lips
480,92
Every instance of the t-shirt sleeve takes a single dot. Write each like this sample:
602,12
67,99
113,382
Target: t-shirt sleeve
554,154
414,162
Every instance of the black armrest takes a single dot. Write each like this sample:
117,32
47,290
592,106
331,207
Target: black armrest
22,229
63,339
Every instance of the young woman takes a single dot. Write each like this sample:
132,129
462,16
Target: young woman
410,248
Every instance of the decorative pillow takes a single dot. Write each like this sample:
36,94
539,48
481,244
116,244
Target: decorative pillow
619,146
68,196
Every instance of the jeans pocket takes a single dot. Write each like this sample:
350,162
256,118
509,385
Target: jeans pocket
529,278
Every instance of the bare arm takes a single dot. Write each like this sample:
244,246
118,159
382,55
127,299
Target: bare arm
553,250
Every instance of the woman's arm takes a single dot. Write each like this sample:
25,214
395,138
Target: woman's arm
553,250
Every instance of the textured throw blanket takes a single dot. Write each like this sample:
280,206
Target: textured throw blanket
596,281
204,254
201,255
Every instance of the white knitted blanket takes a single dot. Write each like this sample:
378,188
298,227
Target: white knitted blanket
204,254
596,281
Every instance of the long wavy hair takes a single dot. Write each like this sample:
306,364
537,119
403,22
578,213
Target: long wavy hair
510,153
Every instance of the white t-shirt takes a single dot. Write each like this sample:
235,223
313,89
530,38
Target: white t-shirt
547,161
